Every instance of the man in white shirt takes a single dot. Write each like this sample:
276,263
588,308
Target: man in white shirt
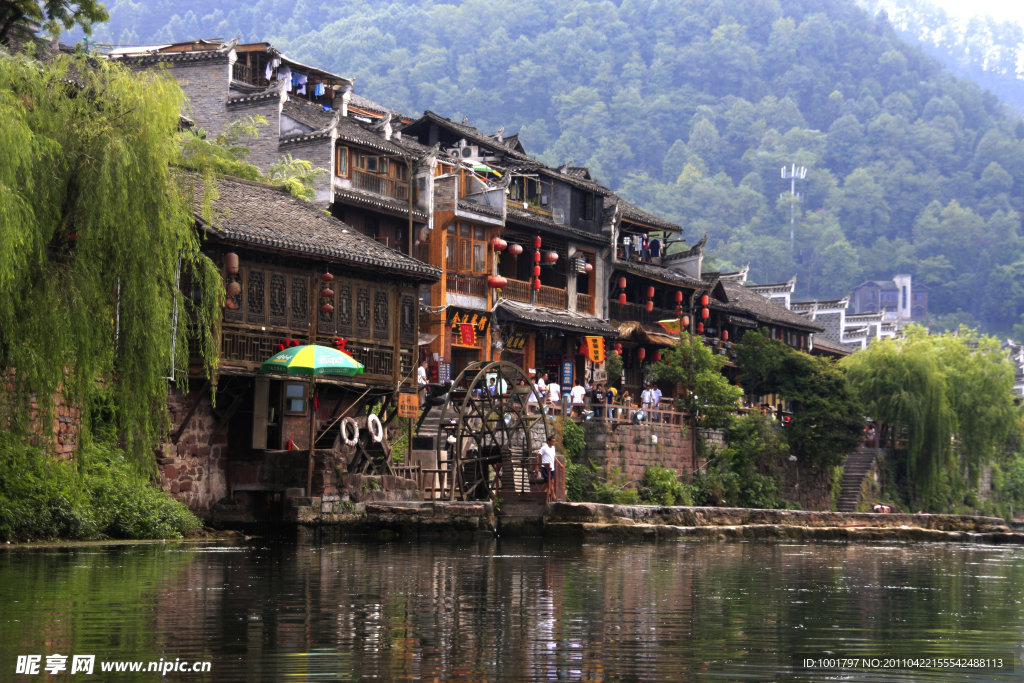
546,460
555,392
655,400
576,394
646,397
421,374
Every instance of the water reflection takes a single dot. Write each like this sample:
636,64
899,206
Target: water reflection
524,610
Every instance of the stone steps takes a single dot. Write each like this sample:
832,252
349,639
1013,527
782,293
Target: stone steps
856,467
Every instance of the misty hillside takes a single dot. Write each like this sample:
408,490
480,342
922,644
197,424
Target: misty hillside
689,109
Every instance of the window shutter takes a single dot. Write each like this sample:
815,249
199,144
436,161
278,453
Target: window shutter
259,413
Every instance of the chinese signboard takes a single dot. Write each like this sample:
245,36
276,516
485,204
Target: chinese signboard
593,349
409,405
460,318
467,332
517,342
567,373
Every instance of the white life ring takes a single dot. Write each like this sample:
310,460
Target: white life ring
344,431
375,427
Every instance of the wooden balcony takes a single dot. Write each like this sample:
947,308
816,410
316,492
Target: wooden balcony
472,285
518,290
380,185
584,304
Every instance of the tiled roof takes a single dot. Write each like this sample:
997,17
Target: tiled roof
350,195
185,57
360,102
528,165
635,215
658,273
470,133
308,114
524,217
468,205
553,317
830,346
245,95
266,215
352,131
743,299
788,285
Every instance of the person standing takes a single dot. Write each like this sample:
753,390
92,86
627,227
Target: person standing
646,396
655,400
421,380
576,395
546,461
599,400
554,393
492,387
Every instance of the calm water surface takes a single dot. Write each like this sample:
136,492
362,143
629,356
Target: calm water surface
523,610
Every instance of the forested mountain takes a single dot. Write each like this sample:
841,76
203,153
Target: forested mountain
689,108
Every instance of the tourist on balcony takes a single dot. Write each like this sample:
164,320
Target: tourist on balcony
599,400
577,394
554,394
627,403
647,399
655,400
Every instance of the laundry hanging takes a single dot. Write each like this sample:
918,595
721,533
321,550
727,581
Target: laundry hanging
271,65
301,82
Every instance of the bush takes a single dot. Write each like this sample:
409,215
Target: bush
575,481
107,497
574,441
661,486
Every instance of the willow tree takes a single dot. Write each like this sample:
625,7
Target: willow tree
902,384
96,229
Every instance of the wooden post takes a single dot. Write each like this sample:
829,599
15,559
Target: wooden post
312,437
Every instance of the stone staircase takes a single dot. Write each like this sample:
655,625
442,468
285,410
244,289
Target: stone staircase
855,469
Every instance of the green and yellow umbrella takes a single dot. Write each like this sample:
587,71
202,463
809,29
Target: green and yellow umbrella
312,360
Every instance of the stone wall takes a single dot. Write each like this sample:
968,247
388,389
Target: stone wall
809,486
206,84
194,469
634,448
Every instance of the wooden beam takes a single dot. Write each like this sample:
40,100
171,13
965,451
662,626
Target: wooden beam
188,415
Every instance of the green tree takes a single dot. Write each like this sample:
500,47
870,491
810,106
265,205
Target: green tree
17,17
707,394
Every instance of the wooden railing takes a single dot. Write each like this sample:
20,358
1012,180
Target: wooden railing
517,290
473,285
380,185
551,297
242,73
584,304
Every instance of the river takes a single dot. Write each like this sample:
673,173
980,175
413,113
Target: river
514,610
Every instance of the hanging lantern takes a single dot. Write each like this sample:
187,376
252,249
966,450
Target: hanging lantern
536,257
622,299
618,348
536,284
700,328
622,283
231,263
515,249
536,271
327,277
587,268
704,300
686,321
536,242
551,256
234,289
327,309
657,356
497,282
230,303
641,353
327,292
705,314
725,335
679,297
650,292
498,244
649,306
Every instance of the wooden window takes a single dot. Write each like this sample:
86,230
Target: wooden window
479,257
341,162
586,206
295,395
449,253
465,254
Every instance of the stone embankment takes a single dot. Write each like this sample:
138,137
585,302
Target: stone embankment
591,520
319,522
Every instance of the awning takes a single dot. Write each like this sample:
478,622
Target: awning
426,338
542,317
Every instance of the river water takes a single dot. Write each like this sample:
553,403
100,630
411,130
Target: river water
514,610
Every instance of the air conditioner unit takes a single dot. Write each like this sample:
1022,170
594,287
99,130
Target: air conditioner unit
470,152
558,216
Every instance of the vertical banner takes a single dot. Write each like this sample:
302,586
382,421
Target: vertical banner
566,374
593,349
468,332
444,372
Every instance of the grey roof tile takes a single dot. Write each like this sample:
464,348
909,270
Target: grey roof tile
554,317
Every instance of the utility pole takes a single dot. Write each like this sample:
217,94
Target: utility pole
792,174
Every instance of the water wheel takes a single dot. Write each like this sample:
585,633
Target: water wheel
486,447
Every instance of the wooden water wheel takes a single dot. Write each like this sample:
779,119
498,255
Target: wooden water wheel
486,448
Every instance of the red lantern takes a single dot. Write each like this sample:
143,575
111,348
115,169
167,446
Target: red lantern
622,299
622,283
587,268
657,356
230,303
515,249
686,321
278,347
704,313
536,257
327,309
704,300
650,292
234,289
498,244
536,242
618,348
700,328
536,284
725,335
679,297
326,293
326,277
536,271
231,263
641,353
551,256
649,306
497,282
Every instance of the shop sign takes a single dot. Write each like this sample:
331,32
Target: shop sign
409,405
468,316
444,372
517,342
567,373
593,349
